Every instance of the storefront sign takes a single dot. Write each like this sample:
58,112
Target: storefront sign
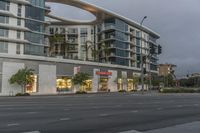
77,70
104,73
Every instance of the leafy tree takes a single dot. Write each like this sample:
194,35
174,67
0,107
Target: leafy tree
23,77
80,78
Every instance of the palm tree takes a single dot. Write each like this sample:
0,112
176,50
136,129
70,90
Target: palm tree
57,39
106,51
95,54
88,45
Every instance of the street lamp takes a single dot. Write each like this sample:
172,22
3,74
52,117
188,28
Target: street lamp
141,54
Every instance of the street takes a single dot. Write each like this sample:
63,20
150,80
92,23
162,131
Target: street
97,113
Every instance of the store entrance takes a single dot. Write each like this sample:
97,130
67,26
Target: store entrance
103,84
32,88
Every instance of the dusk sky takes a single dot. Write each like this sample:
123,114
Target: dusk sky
176,21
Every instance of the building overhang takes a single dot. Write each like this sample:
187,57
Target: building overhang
100,14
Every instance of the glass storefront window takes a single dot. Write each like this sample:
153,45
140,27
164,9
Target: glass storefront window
64,84
31,88
87,86
130,85
103,84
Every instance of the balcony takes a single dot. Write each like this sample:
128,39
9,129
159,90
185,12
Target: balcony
72,42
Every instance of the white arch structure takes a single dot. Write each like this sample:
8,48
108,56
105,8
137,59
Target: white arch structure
98,12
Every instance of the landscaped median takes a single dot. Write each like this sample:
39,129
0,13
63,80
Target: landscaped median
179,90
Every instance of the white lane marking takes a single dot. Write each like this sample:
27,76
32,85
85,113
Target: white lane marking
131,131
103,115
64,119
33,132
134,111
13,124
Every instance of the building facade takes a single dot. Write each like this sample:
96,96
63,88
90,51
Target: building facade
108,48
166,69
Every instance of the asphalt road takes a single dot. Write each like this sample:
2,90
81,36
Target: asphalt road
97,113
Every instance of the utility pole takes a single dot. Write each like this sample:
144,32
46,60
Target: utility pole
141,55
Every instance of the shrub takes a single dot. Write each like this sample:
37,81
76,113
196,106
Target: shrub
133,90
22,94
81,92
122,91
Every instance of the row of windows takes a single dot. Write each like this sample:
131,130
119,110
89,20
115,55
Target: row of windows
117,23
34,38
34,50
34,26
4,19
35,13
40,3
4,5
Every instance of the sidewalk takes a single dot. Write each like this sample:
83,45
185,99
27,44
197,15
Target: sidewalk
193,127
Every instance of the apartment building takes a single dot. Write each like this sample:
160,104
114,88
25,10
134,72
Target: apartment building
108,48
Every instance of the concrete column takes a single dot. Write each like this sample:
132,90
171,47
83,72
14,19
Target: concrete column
112,83
9,69
47,79
95,81
124,78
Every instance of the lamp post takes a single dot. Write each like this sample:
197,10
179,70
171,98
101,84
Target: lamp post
141,55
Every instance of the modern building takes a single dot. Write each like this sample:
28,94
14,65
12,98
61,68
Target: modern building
108,48
166,69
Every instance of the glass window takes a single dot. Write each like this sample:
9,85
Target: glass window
34,50
103,84
72,30
4,5
18,49
4,19
63,84
34,38
31,88
19,11
3,47
18,34
34,26
84,32
39,3
18,21
4,32
35,13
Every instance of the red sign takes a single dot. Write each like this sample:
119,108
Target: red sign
104,73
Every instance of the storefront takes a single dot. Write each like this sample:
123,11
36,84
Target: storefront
87,86
32,88
64,83
103,81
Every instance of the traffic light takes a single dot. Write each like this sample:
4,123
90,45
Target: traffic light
159,49
152,49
